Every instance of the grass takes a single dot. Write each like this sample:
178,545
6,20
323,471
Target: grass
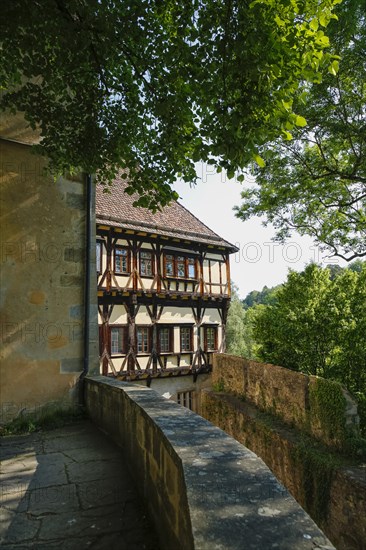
48,418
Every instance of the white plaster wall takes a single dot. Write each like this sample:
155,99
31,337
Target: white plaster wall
118,316
142,317
212,256
177,315
212,316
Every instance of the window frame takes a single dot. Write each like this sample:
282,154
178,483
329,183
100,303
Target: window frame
99,260
206,328
185,398
190,328
128,260
123,332
177,259
152,255
170,330
149,343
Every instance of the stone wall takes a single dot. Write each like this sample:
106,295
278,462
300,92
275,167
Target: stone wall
288,394
332,492
42,284
202,488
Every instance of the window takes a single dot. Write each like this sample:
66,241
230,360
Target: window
169,265
185,398
143,339
165,339
191,268
121,260
146,264
98,256
118,340
185,338
210,338
183,267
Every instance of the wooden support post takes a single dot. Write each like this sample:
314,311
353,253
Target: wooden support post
131,310
106,351
224,312
158,267
134,265
228,275
109,262
154,317
200,263
154,347
198,354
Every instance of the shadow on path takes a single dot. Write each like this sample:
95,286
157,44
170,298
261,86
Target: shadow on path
68,489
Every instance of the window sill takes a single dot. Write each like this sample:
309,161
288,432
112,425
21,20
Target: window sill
180,279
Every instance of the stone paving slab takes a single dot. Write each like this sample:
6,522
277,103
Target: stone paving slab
69,489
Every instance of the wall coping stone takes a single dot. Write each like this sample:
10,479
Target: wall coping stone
233,499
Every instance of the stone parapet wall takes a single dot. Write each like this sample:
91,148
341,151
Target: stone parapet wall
203,489
335,496
290,395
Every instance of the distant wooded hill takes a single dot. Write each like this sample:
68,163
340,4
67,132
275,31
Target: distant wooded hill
267,296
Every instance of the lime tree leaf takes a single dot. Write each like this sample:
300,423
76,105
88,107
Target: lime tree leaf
300,121
258,159
334,67
287,135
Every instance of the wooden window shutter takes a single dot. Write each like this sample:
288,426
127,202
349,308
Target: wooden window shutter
171,339
125,340
109,338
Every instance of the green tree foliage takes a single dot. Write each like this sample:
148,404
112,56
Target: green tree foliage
318,326
266,296
235,326
239,328
314,178
155,86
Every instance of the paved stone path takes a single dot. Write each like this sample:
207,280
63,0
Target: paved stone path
69,489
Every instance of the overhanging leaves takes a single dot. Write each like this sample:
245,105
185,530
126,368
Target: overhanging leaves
155,86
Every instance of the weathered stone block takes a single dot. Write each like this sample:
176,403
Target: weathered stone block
71,280
75,200
76,312
74,254
73,365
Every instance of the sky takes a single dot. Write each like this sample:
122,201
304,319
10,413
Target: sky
260,261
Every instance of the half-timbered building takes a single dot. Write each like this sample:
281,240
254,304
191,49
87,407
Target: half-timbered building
163,292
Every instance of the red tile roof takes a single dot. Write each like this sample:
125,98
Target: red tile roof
116,209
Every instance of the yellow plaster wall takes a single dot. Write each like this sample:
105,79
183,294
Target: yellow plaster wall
42,227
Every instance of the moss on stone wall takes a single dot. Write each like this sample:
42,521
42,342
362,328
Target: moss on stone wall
327,410
317,468
311,471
